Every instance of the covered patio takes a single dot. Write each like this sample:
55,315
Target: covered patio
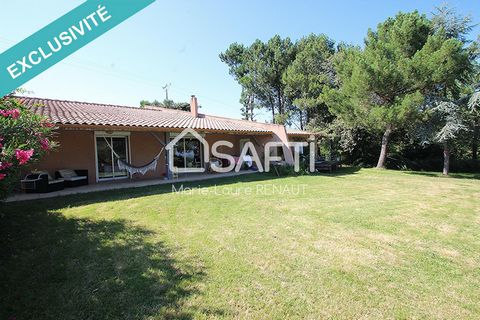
125,184
119,147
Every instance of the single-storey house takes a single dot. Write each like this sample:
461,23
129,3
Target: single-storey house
92,135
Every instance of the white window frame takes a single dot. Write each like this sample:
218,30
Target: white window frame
173,135
110,134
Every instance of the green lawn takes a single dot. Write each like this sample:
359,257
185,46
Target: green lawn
356,244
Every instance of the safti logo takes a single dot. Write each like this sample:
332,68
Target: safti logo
248,155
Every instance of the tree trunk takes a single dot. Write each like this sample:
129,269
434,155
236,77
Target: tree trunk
280,102
383,152
446,159
330,147
301,119
251,105
476,133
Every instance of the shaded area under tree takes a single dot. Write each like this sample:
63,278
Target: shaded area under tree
53,267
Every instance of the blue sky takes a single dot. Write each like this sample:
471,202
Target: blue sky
178,42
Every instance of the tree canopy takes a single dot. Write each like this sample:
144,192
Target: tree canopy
385,85
169,104
413,72
307,75
259,69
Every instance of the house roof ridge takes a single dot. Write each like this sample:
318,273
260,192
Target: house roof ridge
153,108
72,112
84,102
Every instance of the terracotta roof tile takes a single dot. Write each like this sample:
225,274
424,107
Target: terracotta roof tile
295,132
85,113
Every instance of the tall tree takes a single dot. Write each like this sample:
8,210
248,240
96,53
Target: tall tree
474,101
250,105
444,124
243,63
306,76
445,19
259,69
383,84
474,106
451,108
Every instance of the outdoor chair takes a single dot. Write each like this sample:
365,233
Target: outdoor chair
41,182
73,178
325,165
214,162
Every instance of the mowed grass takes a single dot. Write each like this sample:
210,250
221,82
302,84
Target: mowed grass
356,244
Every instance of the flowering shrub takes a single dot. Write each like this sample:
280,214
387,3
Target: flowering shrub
24,138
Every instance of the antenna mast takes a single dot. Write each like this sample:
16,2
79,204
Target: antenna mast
166,87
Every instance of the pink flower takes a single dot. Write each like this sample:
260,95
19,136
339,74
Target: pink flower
23,155
47,124
45,144
15,113
2,176
5,165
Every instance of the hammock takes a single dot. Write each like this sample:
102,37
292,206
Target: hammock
122,165
152,165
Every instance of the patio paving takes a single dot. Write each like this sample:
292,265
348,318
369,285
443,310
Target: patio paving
113,185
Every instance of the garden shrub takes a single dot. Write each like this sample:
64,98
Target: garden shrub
24,138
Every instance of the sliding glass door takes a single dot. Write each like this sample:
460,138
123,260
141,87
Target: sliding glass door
107,167
188,153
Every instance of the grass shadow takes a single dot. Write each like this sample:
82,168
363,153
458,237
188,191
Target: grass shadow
53,267
475,176
342,171
131,193
128,193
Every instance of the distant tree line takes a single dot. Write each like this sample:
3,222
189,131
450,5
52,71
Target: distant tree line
169,104
411,91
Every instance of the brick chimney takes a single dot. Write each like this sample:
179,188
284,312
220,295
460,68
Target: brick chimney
194,106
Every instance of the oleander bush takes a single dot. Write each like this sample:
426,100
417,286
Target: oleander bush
24,138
